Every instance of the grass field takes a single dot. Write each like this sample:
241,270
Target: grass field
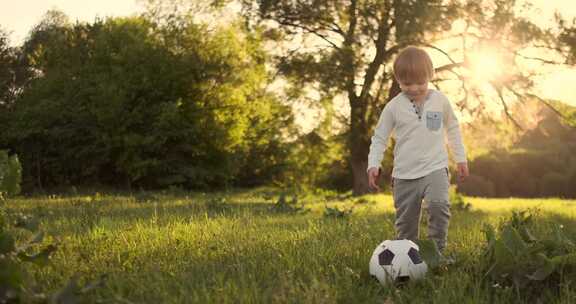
233,248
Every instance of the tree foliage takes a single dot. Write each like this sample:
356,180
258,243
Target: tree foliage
10,174
346,48
355,41
142,101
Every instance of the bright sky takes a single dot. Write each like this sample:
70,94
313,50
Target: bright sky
19,16
557,84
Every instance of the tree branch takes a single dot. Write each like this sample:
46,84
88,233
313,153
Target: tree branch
506,111
542,100
309,30
540,59
349,60
353,21
449,67
440,50
379,58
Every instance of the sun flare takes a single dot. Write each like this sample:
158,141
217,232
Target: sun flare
486,65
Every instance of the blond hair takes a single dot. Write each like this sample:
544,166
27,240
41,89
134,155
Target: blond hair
413,65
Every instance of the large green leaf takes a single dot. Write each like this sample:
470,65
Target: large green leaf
27,222
567,260
36,239
513,240
6,242
11,273
517,257
41,258
70,294
430,253
504,259
526,235
560,237
490,235
546,268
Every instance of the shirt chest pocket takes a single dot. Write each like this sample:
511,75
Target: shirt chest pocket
433,120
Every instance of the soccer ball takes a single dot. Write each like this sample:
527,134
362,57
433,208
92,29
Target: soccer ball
397,262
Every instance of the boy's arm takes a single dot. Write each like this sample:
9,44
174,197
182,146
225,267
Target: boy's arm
455,141
380,138
453,134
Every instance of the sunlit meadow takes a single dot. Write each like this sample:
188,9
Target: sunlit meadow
236,248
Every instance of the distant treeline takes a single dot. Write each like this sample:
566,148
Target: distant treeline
541,163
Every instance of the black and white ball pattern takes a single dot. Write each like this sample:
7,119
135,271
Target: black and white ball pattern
397,261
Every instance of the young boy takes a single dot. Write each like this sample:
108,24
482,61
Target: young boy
418,116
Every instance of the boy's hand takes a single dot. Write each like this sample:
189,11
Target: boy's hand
462,171
373,174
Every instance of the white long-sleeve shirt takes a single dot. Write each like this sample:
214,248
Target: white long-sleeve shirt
420,142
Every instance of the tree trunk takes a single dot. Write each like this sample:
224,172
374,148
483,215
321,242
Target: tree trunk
359,166
360,141
39,173
359,147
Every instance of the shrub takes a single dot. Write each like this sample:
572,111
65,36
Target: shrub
477,186
553,184
515,257
10,174
16,284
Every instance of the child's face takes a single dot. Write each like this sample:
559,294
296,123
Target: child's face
416,90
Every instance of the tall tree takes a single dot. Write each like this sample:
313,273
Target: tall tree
140,101
357,39
566,44
6,71
13,76
13,72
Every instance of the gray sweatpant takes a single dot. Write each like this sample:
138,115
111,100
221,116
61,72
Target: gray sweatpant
408,195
